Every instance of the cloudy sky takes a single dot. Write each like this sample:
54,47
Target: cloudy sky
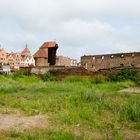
79,26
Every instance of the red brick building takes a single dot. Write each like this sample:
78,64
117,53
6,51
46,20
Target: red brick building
46,55
65,61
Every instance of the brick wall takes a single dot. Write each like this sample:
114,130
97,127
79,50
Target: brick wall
98,62
65,61
61,72
41,62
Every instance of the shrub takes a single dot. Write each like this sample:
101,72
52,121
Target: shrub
112,76
48,77
123,74
137,80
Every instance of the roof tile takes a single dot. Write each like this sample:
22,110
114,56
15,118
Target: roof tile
41,53
26,50
49,44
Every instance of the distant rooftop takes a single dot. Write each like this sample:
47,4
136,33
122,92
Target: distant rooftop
41,52
49,44
26,50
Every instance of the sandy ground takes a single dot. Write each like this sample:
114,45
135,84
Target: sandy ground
17,120
132,89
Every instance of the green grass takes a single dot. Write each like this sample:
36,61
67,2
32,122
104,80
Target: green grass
78,107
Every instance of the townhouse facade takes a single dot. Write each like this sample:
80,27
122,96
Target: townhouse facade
16,60
3,56
27,60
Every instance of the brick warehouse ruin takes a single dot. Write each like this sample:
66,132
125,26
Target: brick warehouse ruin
108,61
46,55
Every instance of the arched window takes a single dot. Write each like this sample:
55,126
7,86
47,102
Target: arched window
103,57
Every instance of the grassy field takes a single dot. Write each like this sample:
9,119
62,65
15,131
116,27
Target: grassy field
77,108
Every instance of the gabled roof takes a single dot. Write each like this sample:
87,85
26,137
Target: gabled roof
41,53
23,58
26,50
14,54
10,55
48,44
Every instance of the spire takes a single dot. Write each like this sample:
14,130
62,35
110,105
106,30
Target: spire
26,51
26,45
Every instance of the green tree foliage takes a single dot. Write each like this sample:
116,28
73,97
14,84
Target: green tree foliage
124,74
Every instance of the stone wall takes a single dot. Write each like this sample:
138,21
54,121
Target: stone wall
61,72
98,62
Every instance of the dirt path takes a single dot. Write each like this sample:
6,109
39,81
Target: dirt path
132,89
10,121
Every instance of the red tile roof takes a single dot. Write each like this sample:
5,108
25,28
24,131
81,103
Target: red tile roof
41,53
23,58
49,44
26,50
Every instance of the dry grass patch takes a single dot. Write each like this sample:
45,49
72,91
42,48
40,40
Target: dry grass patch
11,119
131,90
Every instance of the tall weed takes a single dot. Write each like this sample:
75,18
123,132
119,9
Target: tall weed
48,77
130,111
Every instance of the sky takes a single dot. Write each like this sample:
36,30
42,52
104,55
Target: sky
80,27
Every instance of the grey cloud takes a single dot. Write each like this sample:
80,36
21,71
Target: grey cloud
79,26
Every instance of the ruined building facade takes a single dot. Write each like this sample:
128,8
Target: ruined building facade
107,61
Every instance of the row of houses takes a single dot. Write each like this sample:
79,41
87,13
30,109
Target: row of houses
45,56
17,59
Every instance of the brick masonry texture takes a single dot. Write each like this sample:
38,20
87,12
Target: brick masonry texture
109,61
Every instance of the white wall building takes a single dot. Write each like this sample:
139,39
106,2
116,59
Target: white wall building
27,61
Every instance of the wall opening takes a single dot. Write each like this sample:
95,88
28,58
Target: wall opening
122,55
52,55
121,65
103,57
112,56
